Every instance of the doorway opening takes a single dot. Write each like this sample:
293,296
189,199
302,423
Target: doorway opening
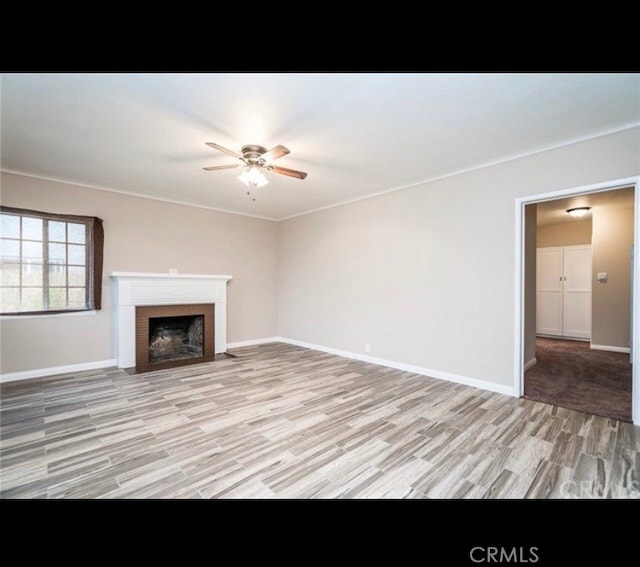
577,294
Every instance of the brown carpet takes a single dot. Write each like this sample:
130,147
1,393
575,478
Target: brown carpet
571,375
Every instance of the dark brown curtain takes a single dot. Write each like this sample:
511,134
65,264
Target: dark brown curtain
98,257
97,251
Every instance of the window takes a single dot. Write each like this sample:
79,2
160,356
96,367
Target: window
49,263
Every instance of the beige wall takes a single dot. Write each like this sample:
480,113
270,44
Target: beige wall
565,234
530,256
611,253
146,236
426,275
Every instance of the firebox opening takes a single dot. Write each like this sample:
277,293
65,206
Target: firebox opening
176,338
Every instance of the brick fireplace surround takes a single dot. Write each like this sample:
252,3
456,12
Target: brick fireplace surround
144,363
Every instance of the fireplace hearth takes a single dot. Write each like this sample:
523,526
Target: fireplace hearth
174,335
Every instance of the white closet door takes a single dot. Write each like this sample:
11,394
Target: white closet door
549,291
577,292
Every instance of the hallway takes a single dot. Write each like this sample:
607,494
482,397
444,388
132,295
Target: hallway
571,375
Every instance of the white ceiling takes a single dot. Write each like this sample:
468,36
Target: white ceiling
555,212
355,134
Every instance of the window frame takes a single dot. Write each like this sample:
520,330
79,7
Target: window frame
94,241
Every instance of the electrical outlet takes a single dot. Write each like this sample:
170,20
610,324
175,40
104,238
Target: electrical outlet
367,347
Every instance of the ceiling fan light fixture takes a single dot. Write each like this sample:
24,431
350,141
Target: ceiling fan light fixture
253,177
257,159
578,212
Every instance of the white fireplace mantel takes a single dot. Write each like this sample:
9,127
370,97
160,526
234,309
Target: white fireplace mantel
139,288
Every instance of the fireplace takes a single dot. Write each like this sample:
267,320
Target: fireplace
133,290
175,338
174,335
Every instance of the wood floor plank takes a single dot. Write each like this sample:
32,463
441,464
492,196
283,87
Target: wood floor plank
551,480
507,485
625,474
591,476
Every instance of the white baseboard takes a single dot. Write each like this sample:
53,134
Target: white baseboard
448,376
53,370
611,348
584,339
530,363
252,342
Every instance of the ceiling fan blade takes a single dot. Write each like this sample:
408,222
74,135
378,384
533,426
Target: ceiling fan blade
216,167
275,153
224,150
289,172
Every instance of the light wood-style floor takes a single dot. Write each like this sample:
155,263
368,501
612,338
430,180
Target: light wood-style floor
281,421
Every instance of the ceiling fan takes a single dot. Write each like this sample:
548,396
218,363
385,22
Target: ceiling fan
256,158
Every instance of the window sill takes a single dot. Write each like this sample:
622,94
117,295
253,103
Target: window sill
49,315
